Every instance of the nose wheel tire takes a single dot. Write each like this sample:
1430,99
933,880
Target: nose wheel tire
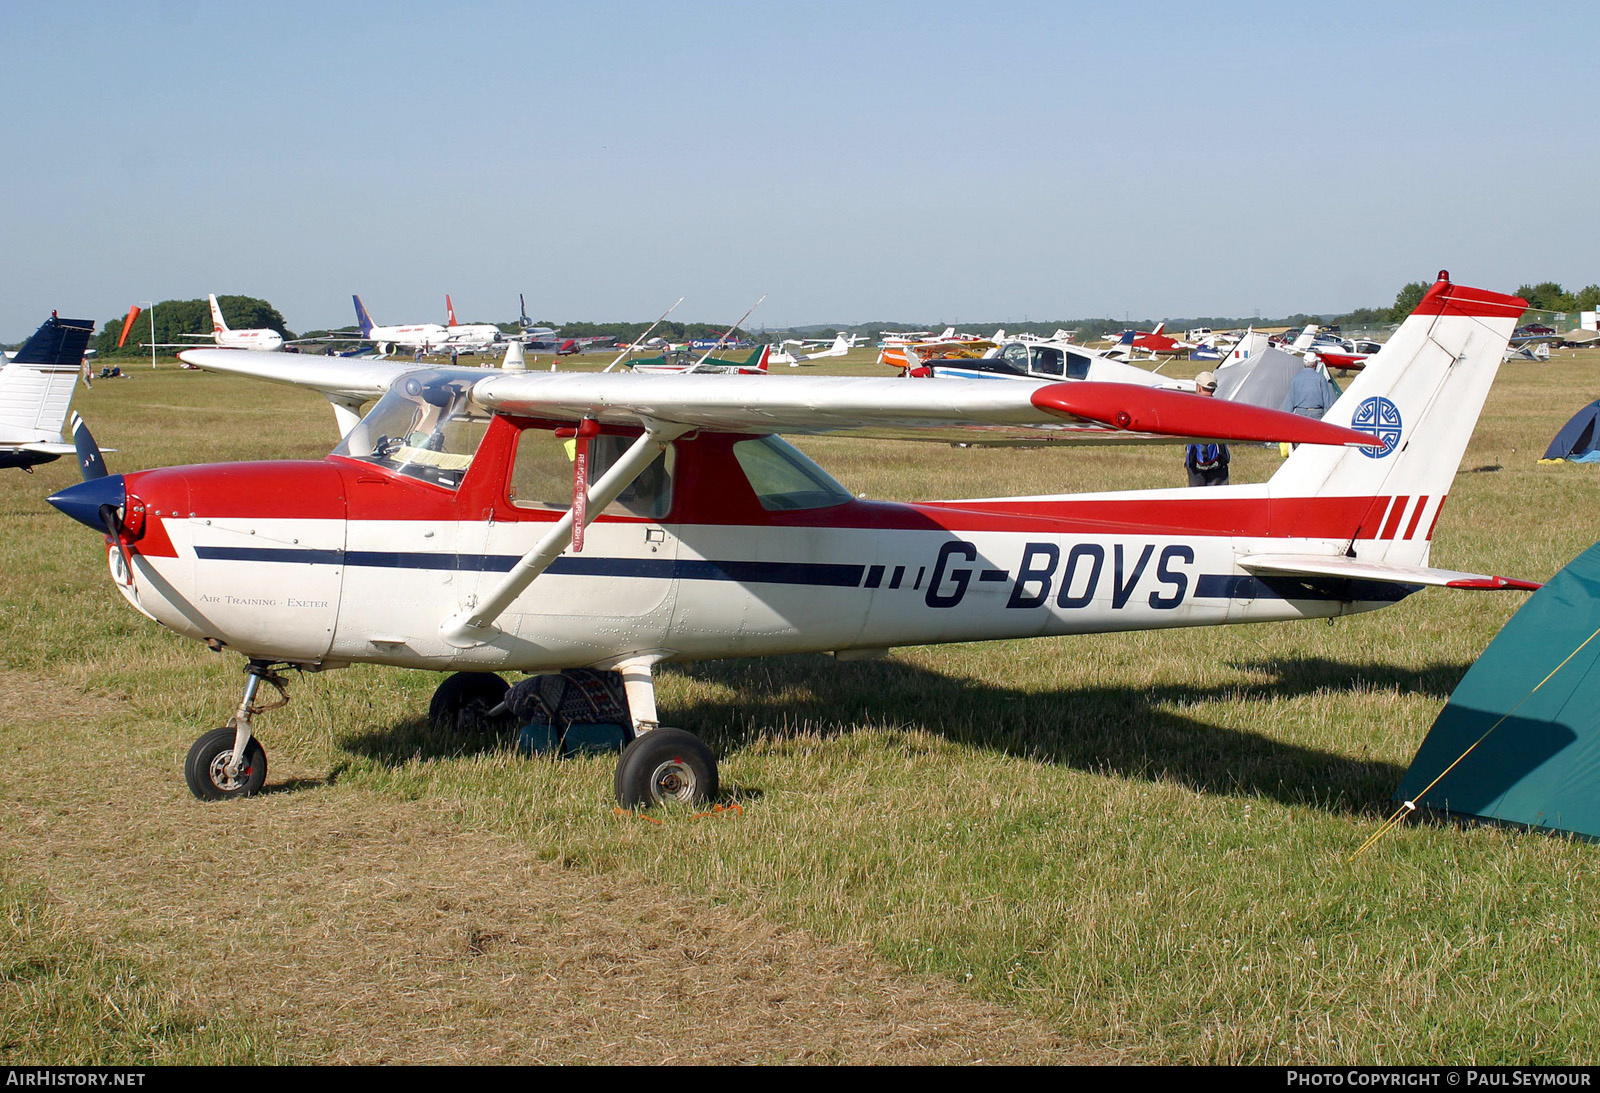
463,701
666,765
206,769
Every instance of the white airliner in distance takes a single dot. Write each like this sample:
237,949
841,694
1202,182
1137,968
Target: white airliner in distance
222,335
423,336
470,337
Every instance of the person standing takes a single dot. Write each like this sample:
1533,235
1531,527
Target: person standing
1310,393
1207,464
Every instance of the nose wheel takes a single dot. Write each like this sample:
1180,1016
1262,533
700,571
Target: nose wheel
207,768
230,761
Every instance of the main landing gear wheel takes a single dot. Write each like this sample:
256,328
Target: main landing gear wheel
462,702
666,765
206,769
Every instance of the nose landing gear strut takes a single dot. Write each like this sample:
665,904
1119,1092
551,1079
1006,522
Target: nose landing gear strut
230,762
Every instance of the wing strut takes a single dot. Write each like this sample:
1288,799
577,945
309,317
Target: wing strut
475,626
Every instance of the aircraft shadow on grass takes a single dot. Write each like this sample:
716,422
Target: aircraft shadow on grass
1121,731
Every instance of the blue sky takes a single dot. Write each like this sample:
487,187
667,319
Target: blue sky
895,161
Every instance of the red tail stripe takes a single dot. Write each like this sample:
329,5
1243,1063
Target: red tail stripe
1435,523
1416,516
1396,511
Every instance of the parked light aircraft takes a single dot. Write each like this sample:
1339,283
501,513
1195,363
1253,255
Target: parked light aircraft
1038,359
36,385
947,345
792,352
681,361
447,530
265,338
1153,343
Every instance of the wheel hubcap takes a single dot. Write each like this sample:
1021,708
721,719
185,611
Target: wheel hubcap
673,780
219,772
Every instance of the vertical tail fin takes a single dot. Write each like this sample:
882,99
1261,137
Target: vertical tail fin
1422,395
219,325
449,310
363,320
36,387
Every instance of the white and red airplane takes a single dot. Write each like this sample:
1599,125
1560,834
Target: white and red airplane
264,339
1153,343
469,337
447,530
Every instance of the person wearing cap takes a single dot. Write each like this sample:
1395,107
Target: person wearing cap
1310,393
1207,464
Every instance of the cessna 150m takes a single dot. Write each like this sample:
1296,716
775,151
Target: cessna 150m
447,530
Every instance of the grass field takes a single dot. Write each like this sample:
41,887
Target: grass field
1138,845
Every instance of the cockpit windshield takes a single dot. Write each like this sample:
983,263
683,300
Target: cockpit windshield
425,427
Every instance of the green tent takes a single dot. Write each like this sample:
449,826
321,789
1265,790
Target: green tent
1539,765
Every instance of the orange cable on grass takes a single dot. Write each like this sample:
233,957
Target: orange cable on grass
1411,806
717,810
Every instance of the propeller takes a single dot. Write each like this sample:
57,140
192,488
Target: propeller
97,501
91,464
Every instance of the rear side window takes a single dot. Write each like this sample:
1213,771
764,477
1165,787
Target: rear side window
783,478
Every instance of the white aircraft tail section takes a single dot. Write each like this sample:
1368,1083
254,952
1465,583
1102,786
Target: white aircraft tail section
36,387
219,325
1306,338
1421,395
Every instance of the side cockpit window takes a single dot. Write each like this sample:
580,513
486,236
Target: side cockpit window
425,427
783,478
541,476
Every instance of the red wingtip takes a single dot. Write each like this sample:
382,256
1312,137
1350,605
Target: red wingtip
1495,584
1141,409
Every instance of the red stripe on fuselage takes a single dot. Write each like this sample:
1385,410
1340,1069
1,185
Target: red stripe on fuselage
338,488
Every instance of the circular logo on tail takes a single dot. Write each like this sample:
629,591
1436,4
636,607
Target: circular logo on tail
1380,418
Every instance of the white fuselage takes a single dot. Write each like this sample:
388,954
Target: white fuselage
339,591
423,336
267,340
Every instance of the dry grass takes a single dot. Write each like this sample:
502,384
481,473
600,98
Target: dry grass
321,923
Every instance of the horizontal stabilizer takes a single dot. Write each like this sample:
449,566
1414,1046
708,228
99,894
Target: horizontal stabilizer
46,448
1321,565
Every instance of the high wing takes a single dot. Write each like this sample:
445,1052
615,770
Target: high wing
953,411
346,382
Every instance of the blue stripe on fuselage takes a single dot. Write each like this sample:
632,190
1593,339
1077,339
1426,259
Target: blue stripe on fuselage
805,573
1208,586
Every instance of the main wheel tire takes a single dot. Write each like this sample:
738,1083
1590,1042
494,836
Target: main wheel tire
665,765
205,770
462,702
